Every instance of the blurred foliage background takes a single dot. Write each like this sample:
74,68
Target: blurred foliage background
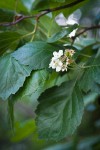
24,135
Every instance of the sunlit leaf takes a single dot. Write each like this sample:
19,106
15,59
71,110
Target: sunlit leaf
37,54
64,32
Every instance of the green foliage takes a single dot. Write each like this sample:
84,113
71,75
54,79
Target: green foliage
90,79
9,4
88,143
62,34
42,4
26,51
60,1
8,41
28,4
37,83
59,111
23,130
12,75
36,54
11,112
49,26
5,15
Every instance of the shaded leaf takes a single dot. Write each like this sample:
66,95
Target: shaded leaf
60,1
9,4
90,79
70,10
11,112
59,111
37,83
6,15
8,40
41,5
12,76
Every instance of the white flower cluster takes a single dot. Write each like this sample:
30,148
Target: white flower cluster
61,60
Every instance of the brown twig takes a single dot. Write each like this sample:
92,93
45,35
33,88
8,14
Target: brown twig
85,29
42,13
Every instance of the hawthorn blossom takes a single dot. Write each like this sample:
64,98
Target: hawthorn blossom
58,54
72,33
65,67
61,60
56,64
72,52
69,52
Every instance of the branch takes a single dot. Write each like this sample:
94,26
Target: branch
85,30
42,13
64,6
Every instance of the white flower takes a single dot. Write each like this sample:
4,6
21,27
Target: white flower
58,68
52,63
72,33
74,18
64,68
57,54
61,60
72,52
71,21
69,52
56,64
67,61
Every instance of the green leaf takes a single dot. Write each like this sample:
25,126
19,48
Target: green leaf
71,9
8,40
62,33
23,130
59,111
60,1
12,76
90,79
28,4
36,54
11,112
32,88
47,4
10,4
6,15
49,25
37,83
